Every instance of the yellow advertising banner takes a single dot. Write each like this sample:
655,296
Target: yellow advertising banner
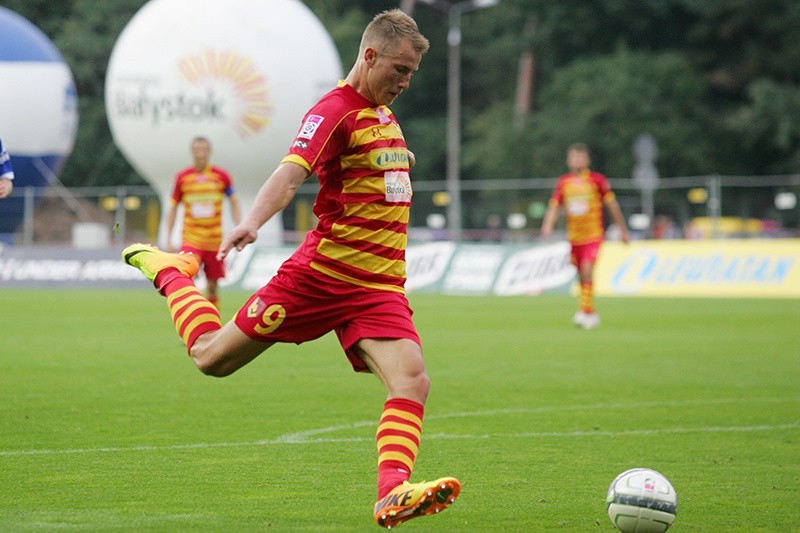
759,268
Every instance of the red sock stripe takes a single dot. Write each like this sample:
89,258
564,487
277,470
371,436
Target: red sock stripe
390,451
198,318
203,327
178,305
399,429
170,280
392,416
410,406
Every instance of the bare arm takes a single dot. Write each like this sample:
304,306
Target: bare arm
236,210
172,214
619,220
274,195
6,186
550,217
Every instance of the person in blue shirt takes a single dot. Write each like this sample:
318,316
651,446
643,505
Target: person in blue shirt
6,173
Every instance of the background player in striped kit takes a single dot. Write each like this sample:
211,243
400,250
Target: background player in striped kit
200,189
583,193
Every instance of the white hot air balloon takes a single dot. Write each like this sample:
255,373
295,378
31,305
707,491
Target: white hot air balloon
240,72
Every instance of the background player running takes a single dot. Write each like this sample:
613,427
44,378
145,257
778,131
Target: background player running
582,193
200,189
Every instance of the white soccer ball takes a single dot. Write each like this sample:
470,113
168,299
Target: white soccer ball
641,500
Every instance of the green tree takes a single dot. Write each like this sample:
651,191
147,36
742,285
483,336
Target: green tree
607,102
714,82
87,37
769,125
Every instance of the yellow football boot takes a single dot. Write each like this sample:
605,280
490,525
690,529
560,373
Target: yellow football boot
410,500
150,260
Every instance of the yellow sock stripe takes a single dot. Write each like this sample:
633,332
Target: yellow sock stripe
179,293
396,456
400,427
587,300
202,319
179,309
187,311
405,442
405,415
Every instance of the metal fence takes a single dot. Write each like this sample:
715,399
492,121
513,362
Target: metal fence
493,210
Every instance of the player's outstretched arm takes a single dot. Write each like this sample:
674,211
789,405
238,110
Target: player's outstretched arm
549,222
274,195
6,186
619,220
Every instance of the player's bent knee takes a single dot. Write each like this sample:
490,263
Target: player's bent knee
207,362
419,379
422,384
213,368
221,353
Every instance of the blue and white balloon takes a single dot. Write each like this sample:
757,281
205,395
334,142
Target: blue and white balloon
38,109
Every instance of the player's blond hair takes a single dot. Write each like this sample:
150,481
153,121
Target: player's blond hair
391,27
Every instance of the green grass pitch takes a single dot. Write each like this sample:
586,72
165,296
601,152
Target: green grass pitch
105,424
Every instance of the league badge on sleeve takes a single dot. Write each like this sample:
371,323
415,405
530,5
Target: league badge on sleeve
310,126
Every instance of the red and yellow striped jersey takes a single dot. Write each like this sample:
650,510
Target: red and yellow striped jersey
360,157
582,196
201,194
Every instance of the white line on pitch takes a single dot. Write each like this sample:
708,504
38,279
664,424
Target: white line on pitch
305,436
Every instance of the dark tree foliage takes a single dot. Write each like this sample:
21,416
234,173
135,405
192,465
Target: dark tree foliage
716,83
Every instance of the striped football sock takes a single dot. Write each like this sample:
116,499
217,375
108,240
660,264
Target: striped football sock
398,437
587,297
191,313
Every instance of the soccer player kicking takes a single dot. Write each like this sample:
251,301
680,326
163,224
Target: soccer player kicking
583,192
349,273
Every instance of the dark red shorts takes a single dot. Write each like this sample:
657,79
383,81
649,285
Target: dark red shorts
213,267
585,253
302,306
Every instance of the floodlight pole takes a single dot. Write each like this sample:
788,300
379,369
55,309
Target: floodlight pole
454,124
453,177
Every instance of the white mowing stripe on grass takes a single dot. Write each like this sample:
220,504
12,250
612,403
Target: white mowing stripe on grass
307,437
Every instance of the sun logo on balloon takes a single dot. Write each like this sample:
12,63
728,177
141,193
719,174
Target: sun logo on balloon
250,88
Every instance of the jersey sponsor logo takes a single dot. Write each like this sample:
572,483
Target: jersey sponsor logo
382,117
392,158
300,144
202,210
577,207
310,127
398,187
